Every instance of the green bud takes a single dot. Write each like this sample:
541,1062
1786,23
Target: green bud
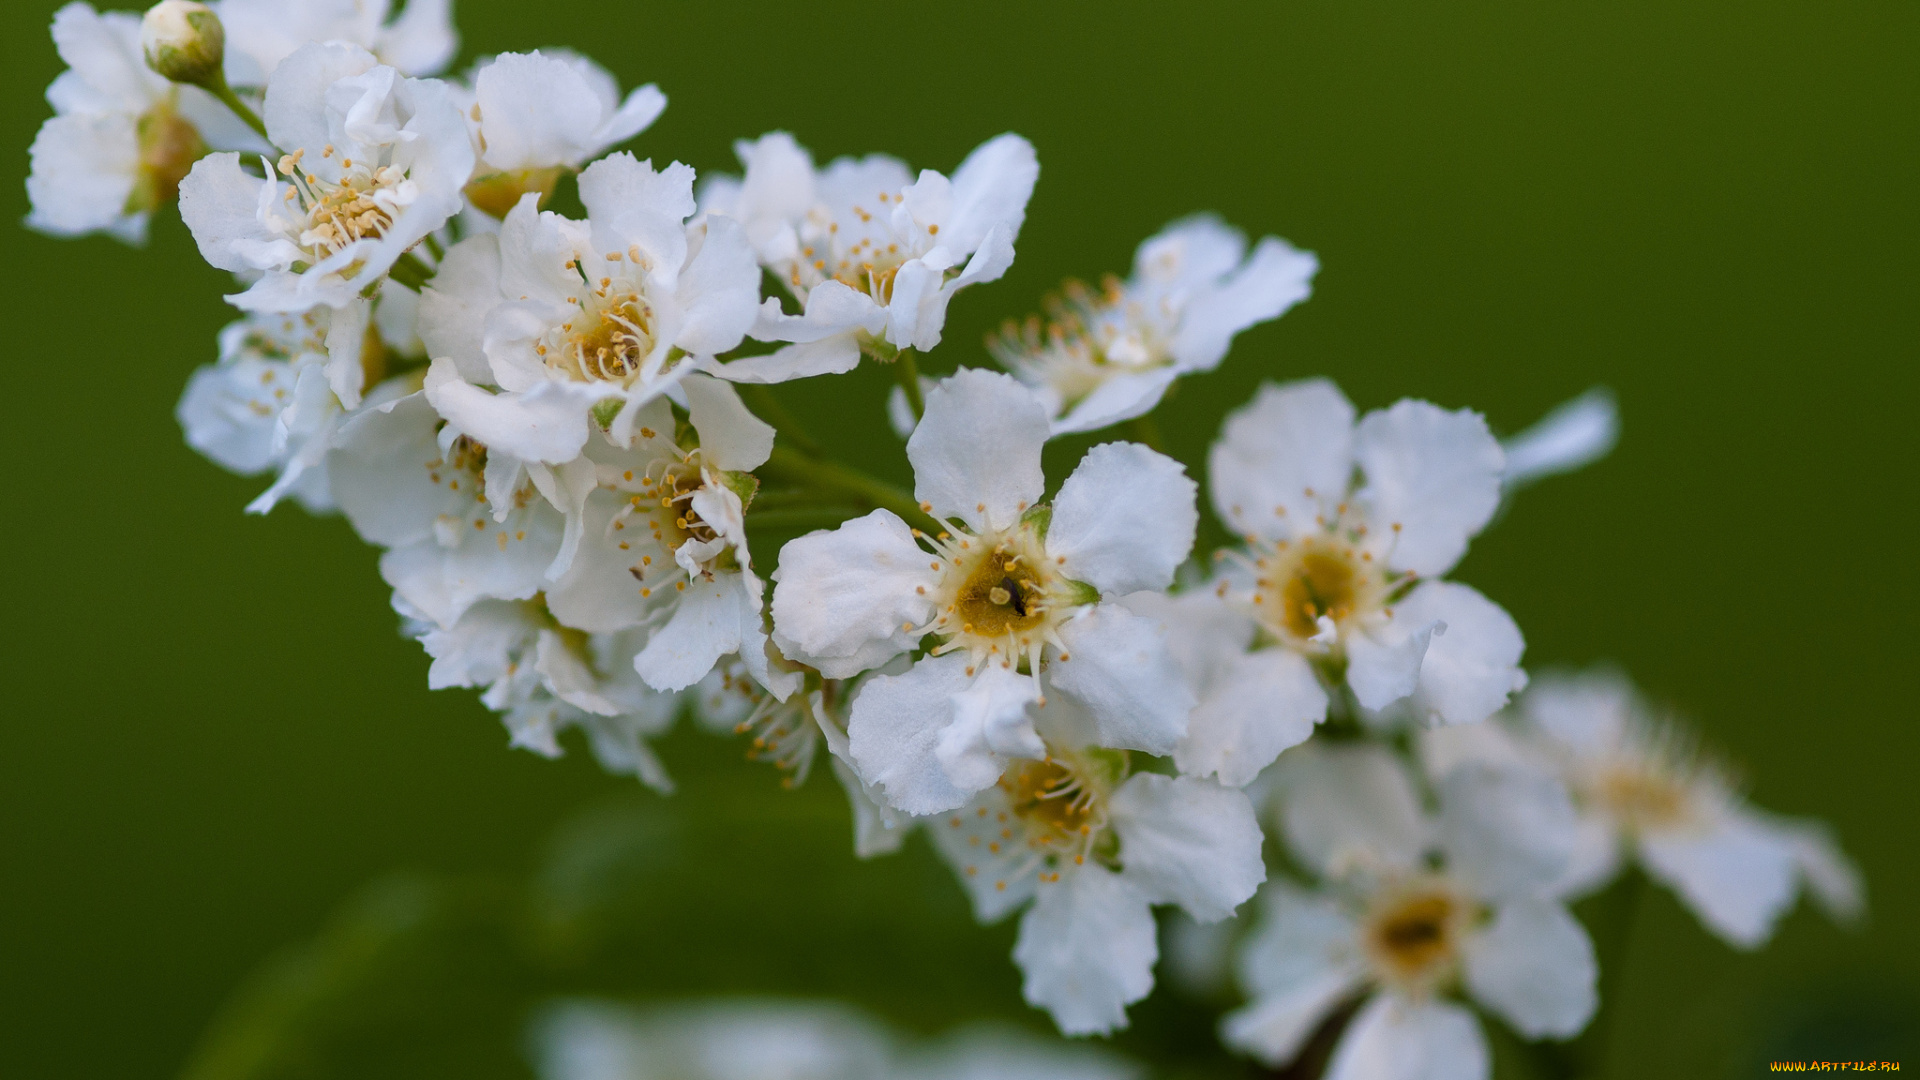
184,41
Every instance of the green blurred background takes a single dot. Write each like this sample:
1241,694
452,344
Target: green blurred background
215,737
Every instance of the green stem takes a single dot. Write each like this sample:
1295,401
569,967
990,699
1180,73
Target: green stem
907,373
1144,430
408,270
217,86
827,476
760,399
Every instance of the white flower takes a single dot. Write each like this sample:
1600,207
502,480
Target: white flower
1101,358
543,678
262,33
461,525
1015,589
375,161
578,320
122,137
873,254
735,1040
1346,523
1094,848
661,540
539,114
997,1052
280,389
1393,924
1645,787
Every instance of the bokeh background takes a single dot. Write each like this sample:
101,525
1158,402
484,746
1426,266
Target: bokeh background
237,830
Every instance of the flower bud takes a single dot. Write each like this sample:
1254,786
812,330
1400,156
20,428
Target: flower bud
184,41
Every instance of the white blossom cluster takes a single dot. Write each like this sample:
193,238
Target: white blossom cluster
536,418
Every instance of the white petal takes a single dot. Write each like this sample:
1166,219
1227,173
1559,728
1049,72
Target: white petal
833,309
1188,842
1384,661
454,306
1204,634
1432,474
547,423
1834,879
221,206
1392,1038
835,355
1121,670
1087,950
598,592
840,593
103,49
346,342
1512,832
976,452
536,111
1471,667
422,40
1588,713
1343,805
1121,397
301,95
893,730
229,412
643,105
997,865
990,724
878,829
1736,874
642,207
1124,520
991,188
1291,439
712,620
719,291
1534,967
83,173
1259,705
1298,966
1275,278
730,437
1574,435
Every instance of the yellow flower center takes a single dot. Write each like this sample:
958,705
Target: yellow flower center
358,206
1000,596
1413,933
1303,585
610,337
169,145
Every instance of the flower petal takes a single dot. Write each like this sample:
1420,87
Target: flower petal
976,452
1124,521
713,619
1510,831
1087,950
893,729
1348,804
1433,475
454,306
1472,663
547,423
1393,1038
1121,670
730,437
1534,967
849,591
1298,966
1292,439
1188,842
1736,874
1275,278
1259,705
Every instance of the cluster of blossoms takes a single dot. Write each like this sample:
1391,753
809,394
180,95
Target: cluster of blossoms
537,419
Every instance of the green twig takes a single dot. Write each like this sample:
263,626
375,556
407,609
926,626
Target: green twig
907,373
827,476
217,86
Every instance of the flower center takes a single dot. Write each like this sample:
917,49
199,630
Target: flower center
1413,934
1642,797
1052,798
359,206
1085,339
1306,586
608,339
169,145
1001,596
861,251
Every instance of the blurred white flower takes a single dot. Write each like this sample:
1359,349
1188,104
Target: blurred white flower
1392,926
871,253
538,114
1103,357
262,33
1015,585
579,324
121,138
1575,434
374,162
1345,524
1094,848
1645,788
